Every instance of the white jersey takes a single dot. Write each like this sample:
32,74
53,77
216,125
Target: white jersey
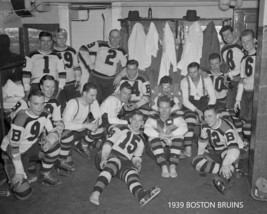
99,56
111,108
175,125
248,64
219,86
125,142
232,55
76,114
70,60
39,64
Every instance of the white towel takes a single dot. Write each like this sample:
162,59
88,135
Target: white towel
152,39
136,47
12,89
192,51
168,53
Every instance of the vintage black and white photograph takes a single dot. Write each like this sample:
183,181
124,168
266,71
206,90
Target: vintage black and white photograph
133,106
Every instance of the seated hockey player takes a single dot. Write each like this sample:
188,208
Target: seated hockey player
226,144
166,130
24,143
121,158
167,88
140,95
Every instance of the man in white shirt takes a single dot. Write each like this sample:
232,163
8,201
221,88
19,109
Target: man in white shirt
82,118
112,107
198,93
166,130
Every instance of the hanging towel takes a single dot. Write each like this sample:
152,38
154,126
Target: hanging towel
193,48
168,53
136,47
152,39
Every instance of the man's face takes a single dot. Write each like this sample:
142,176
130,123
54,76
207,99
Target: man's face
36,105
211,117
136,121
115,38
48,88
132,71
215,66
248,43
90,96
194,73
228,36
164,109
125,95
166,88
61,41
45,43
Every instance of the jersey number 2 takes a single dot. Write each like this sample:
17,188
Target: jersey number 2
111,55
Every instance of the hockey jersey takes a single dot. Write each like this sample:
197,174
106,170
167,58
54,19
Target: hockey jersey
248,64
125,142
99,56
232,55
39,64
26,130
69,56
140,88
223,137
175,95
219,86
175,125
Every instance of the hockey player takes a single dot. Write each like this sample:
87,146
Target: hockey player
100,59
73,70
165,130
226,144
198,93
23,144
82,118
121,157
244,98
166,88
112,108
140,95
41,62
219,83
232,54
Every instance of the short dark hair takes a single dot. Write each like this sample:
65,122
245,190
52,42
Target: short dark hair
214,56
165,80
193,65
45,34
125,85
225,28
165,99
212,107
88,86
132,62
137,112
248,32
37,93
46,77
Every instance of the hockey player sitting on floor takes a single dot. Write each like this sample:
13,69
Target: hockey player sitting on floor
121,157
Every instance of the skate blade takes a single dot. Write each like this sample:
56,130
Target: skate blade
154,193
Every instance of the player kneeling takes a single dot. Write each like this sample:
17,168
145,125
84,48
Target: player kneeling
23,145
121,157
226,144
